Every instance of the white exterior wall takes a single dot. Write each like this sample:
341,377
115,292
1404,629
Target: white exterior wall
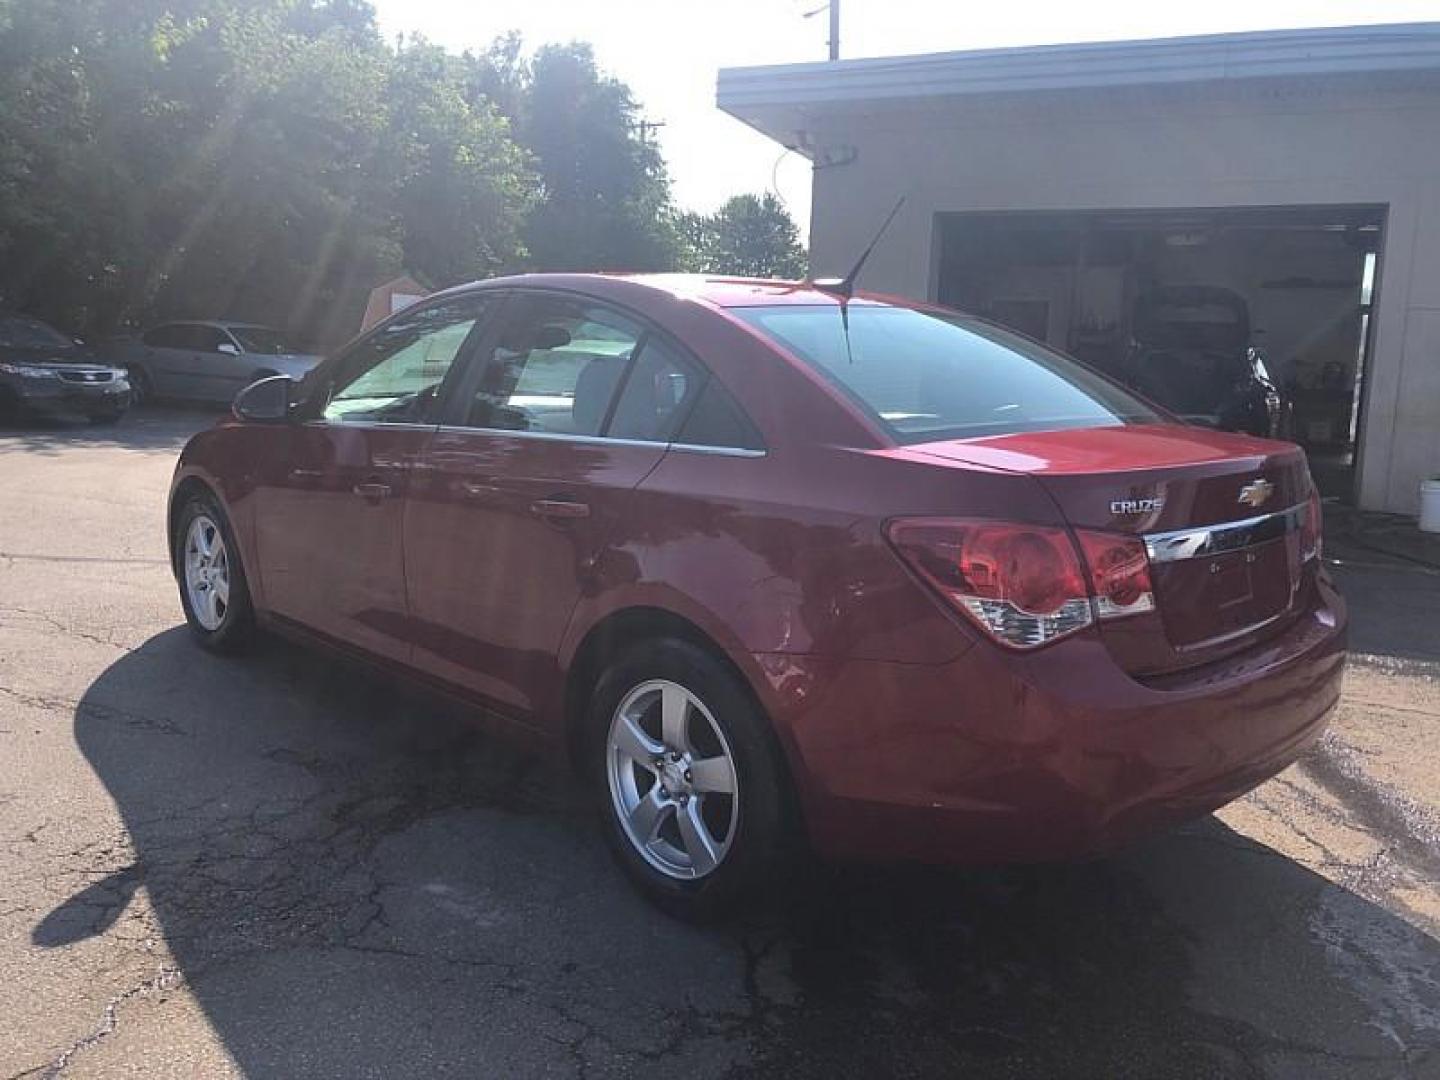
1161,150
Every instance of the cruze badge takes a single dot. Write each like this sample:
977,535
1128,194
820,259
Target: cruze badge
1138,506
1256,493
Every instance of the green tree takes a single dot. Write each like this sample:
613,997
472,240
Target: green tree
269,159
749,236
461,185
605,194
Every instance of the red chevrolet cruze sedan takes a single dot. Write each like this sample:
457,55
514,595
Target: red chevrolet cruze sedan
760,557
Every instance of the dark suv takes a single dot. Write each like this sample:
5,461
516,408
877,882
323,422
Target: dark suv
43,370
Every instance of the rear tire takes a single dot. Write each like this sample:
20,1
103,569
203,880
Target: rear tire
213,588
688,779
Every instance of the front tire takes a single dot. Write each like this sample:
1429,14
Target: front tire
687,777
141,388
213,588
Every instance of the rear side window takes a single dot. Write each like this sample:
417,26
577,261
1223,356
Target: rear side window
927,376
554,368
717,420
659,390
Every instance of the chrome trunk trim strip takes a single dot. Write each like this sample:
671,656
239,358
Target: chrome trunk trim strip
1207,540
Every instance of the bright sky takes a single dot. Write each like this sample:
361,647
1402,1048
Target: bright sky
668,51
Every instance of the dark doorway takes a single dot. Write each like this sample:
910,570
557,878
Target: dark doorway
1307,277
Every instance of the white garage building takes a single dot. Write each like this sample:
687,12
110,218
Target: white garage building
1048,187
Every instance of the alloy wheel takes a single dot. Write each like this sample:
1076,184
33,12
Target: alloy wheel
207,572
673,783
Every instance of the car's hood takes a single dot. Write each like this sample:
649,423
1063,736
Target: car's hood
60,355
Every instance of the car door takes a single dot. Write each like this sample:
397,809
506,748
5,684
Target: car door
231,367
330,496
165,354
214,368
511,507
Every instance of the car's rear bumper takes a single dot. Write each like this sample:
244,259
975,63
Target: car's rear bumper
1051,755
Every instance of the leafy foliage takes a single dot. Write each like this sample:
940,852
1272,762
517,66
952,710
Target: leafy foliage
274,159
749,236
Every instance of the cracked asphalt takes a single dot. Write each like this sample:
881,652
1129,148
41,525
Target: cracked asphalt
276,867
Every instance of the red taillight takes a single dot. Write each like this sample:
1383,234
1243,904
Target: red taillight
1310,528
1024,584
1120,570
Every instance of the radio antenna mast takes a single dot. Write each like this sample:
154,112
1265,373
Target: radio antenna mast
845,287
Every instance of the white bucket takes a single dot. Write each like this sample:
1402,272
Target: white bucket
1430,505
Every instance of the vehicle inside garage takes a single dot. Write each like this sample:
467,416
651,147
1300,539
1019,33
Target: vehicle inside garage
1251,319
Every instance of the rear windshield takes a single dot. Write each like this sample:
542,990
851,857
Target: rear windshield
928,376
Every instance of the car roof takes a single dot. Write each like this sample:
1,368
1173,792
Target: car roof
720,291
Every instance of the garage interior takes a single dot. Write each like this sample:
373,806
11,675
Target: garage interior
1308,277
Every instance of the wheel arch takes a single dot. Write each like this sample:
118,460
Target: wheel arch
618,631
187,487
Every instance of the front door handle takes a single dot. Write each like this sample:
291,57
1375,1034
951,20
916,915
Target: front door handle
372,490
560,508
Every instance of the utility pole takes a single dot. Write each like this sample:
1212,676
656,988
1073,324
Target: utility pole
834,6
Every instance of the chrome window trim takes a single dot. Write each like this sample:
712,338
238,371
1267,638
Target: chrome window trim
719,451
1207,540
599,440
543,436
547,436
369,425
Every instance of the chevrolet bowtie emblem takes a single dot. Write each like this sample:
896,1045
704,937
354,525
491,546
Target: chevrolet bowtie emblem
1256,493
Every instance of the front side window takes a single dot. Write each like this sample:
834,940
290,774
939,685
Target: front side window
926,376
394,375
208,339
165,337
261,339
554,368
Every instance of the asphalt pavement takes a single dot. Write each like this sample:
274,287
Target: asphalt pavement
277,867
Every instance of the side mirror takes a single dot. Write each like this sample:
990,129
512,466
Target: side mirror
228,349
265,401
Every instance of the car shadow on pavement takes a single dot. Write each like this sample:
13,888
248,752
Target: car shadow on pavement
145,428
352,882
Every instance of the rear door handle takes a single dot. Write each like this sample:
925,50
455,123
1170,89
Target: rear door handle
560,508
372,490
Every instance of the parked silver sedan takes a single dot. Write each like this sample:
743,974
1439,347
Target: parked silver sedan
205,361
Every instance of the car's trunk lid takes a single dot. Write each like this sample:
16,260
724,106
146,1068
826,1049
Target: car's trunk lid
1219,512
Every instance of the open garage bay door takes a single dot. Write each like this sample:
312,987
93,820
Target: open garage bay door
1242,318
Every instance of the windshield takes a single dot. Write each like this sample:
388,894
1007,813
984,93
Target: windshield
18,332
261,339
928,376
